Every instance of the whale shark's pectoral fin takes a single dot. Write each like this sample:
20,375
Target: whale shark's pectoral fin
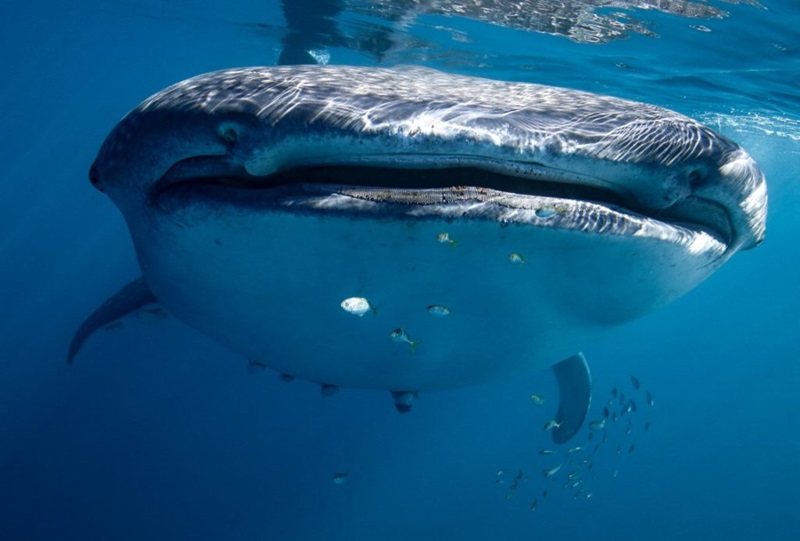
127,300
575,388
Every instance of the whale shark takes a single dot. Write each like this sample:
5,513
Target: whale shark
409,230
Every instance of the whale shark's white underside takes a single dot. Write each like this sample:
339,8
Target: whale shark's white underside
260,199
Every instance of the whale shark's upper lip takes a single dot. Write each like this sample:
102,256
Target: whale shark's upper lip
436,175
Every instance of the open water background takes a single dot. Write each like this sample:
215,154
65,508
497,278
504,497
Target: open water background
159,433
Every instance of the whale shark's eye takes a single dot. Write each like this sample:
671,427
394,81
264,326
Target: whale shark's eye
227,132
697,178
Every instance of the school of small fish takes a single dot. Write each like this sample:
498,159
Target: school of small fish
573,468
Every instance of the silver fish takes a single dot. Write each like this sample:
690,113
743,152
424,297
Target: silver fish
599,424
358,306
444,238
550,425
516,258
438,310
400,335
552,471
536,399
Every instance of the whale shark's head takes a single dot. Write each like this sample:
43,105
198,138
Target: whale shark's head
260,199
416,129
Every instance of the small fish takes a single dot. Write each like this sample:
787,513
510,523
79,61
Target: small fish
614,392
632,448
114,325
650,399
516,258
501,472
519,475
628,430
551,471
635,382
591,435
442,238
544,493
606,412
399,335
326,390
632,406
614,417
544,452
599,424
616,473
647,426
574,450
536,399
358,306
550,425
438,310
340,478
619,449
534,503
286,378
255,367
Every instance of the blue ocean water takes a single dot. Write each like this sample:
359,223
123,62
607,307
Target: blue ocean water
160,433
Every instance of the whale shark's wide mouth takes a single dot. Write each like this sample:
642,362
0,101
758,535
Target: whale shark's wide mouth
215,176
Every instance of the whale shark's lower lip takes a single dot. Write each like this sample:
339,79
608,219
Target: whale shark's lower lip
435,193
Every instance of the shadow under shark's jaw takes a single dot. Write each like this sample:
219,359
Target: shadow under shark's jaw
448,192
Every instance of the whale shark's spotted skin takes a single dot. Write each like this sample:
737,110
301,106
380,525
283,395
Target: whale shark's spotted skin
259,198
